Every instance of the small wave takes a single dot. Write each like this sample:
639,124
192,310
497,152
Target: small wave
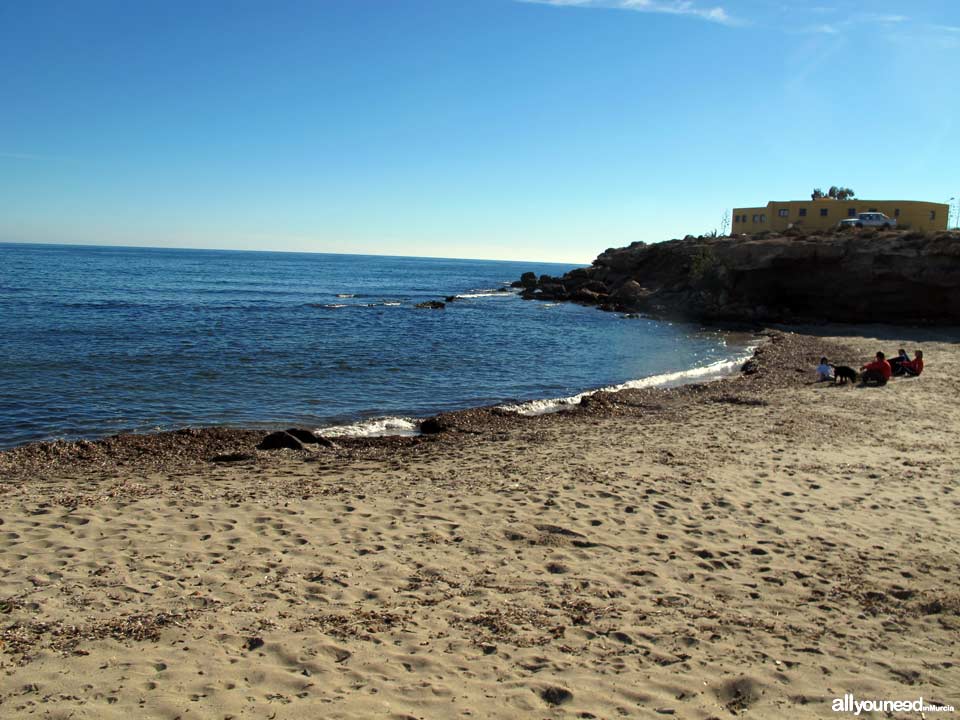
326,306
374,428
392,303
484,293
345,295
705,373
104,305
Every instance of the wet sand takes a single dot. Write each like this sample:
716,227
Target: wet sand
754,547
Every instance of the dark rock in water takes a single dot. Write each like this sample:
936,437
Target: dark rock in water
750,367
528,280
232,457
587,297
555,695
280,440
450,298
431,305
503,289
630,296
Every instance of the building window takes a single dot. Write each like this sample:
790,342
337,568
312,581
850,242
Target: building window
896,212
933,214
756,218
783,213
851,212
824,212
763,218
802,212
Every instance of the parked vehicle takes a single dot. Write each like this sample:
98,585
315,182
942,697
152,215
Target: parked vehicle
870,219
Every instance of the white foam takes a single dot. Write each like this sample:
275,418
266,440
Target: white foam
378,427
345,295
706,373
409,427
334,306
484,293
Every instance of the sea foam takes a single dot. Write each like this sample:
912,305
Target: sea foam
705,373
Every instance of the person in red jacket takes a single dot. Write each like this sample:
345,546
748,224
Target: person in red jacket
877,372
915,366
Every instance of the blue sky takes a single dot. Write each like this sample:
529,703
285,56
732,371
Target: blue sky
506,129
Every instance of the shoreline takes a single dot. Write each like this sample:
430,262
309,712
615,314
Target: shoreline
409,426
755,546
189,444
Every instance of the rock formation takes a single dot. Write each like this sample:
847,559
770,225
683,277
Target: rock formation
891,276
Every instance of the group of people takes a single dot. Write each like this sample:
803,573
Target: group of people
877,372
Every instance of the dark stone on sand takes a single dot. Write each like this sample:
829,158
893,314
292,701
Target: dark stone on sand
280,440
434,425
252,643
555,695
232,457
488,649
750,367
601,398
308,437
431,305
557,569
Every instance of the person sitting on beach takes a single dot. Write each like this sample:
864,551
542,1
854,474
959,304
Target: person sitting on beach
876,372
824,371
914,367
896,364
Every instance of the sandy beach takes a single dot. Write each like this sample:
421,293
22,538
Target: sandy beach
754,547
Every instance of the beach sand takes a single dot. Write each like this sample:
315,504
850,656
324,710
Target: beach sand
754,547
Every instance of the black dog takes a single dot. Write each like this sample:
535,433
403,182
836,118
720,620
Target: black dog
842,373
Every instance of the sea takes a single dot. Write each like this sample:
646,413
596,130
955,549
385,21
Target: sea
102,340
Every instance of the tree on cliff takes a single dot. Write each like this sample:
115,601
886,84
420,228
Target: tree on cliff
836,193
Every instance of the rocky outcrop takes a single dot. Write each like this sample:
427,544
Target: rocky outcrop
891,276
431,305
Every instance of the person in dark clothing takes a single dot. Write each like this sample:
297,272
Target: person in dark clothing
897,363
877,372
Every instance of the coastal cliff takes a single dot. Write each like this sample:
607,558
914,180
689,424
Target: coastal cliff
891,276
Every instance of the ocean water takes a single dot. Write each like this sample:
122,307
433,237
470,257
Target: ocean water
100,340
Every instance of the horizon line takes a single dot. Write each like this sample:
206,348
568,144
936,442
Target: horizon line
288,252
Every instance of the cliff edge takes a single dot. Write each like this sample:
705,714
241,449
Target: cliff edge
840,276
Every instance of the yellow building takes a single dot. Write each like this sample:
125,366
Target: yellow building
825,213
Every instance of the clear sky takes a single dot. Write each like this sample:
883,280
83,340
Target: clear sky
506,129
